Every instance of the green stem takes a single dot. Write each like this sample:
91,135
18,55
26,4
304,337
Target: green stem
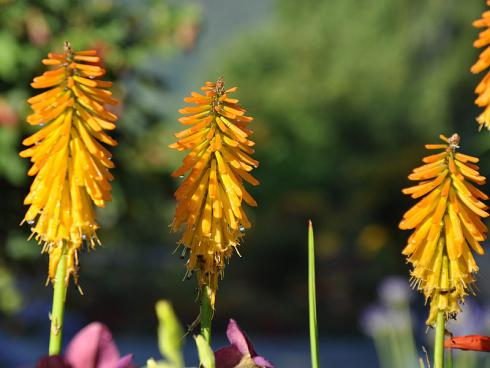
449,361
467,359
407,339
206,314
382,346
59,297
312,298
396,349
439,341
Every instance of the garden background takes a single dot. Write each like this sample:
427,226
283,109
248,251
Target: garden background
344,94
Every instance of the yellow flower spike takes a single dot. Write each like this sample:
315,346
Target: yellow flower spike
209,199
483,62
70,165
446,224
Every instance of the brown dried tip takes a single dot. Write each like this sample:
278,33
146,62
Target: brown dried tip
220,85
67,47
454,141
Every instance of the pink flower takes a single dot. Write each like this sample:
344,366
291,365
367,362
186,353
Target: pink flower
241,347
92,347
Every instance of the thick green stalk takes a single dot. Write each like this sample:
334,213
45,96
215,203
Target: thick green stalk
439,341
206,314
312,298
59,297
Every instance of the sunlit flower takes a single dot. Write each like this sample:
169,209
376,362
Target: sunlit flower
209,199
483,62
70,165
447,226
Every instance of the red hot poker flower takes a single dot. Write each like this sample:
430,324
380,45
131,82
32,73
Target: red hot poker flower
468,342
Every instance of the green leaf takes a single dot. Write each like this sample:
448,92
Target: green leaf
152,363
8,55
18,247
206,355
10,298
11,166
169,334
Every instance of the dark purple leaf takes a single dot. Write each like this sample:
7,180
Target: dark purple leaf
55,361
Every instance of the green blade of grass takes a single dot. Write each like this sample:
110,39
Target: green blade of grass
449,361
312,298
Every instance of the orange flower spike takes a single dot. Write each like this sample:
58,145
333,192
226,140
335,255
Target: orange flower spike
483,62
468,342
446,224
68,161
210,199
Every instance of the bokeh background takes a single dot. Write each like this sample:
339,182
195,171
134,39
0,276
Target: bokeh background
344,94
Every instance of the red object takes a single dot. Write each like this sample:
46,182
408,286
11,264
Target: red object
468,342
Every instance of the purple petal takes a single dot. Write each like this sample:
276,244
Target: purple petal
262,362
93,347
55,361
125,362
238,338
227,357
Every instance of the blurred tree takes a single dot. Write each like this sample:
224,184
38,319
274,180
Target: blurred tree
345,94
135,38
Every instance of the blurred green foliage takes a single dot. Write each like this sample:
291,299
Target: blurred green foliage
342,90
345,95
135,38
10,298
